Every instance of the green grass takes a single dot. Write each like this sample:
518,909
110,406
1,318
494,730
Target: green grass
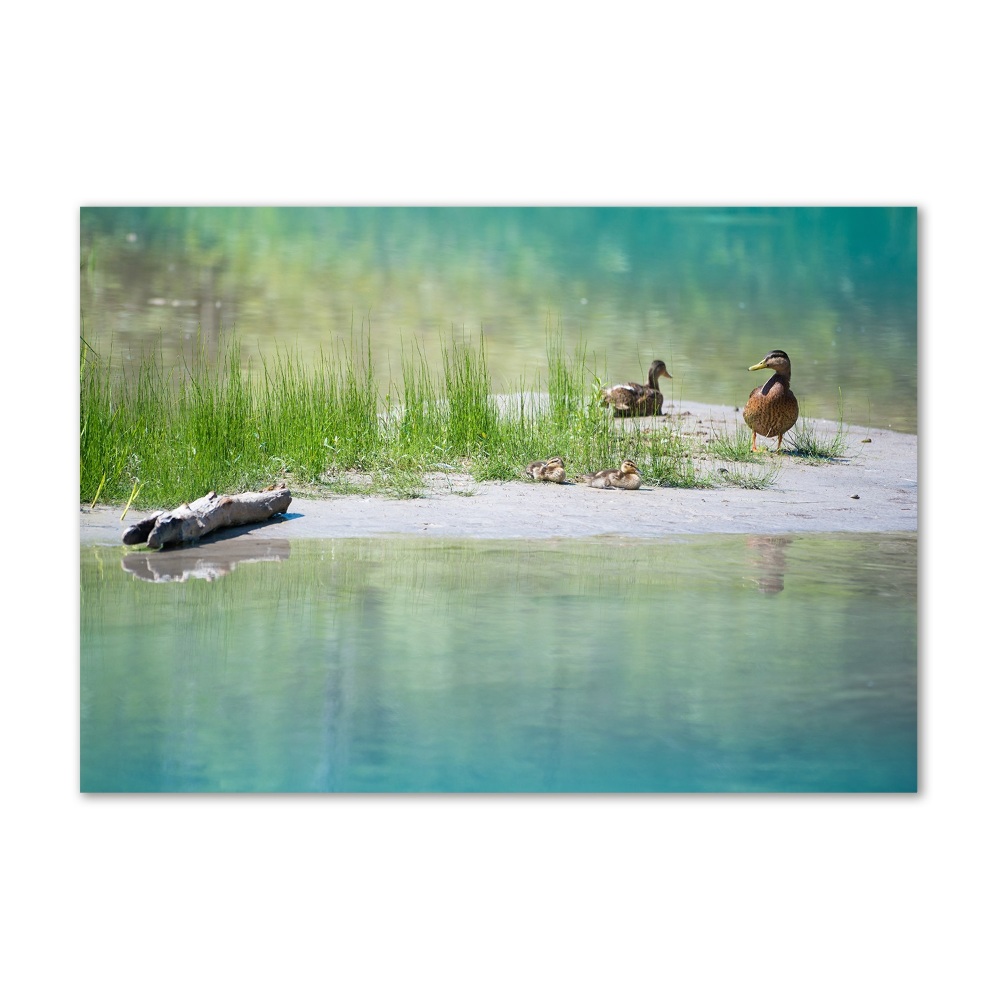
749,477
732,446
801,442
817,448
157,435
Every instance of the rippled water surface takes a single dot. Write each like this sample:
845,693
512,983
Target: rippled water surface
693,664
710,291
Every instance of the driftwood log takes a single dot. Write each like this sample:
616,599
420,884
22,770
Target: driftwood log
192,521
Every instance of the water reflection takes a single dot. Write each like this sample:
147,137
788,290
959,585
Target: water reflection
767,559
400,664
201,563
702,289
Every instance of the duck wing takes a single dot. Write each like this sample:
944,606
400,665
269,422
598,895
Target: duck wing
633,399
598,480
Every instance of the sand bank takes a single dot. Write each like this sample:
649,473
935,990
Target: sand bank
873,488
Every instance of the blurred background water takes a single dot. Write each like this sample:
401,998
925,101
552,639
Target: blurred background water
692,664
709,290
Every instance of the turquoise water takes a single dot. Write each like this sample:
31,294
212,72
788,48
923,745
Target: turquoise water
709,290
695,664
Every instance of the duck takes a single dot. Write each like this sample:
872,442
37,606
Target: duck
627,477
629,399
551,470
772,407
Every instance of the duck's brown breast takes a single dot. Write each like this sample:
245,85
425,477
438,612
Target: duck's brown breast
771,409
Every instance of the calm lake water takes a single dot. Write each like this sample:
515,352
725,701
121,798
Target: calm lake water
696,664
710,291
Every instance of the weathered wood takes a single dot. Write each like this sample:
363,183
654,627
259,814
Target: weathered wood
139,532
211,512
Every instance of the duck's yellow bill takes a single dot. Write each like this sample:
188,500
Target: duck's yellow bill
757,367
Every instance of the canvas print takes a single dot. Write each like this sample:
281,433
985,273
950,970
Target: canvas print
498,499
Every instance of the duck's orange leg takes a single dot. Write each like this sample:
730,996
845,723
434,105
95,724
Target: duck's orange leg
753,442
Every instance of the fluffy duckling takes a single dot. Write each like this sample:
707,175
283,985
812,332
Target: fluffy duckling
629,399
625,478
772,408
551,470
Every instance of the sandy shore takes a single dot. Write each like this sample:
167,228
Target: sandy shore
874,488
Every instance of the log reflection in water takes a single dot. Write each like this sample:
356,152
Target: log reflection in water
202,563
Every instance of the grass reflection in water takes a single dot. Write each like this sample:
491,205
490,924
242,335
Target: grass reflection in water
697,664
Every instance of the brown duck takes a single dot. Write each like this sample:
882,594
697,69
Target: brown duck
629,399
551,470
772,408
625,478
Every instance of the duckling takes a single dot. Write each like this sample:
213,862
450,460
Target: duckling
629,399
549,469
625,478
772,408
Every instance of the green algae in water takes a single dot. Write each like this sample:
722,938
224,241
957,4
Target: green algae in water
694,664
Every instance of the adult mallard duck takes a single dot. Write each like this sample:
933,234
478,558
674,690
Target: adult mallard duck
625,478
551,470
772,407
629,399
